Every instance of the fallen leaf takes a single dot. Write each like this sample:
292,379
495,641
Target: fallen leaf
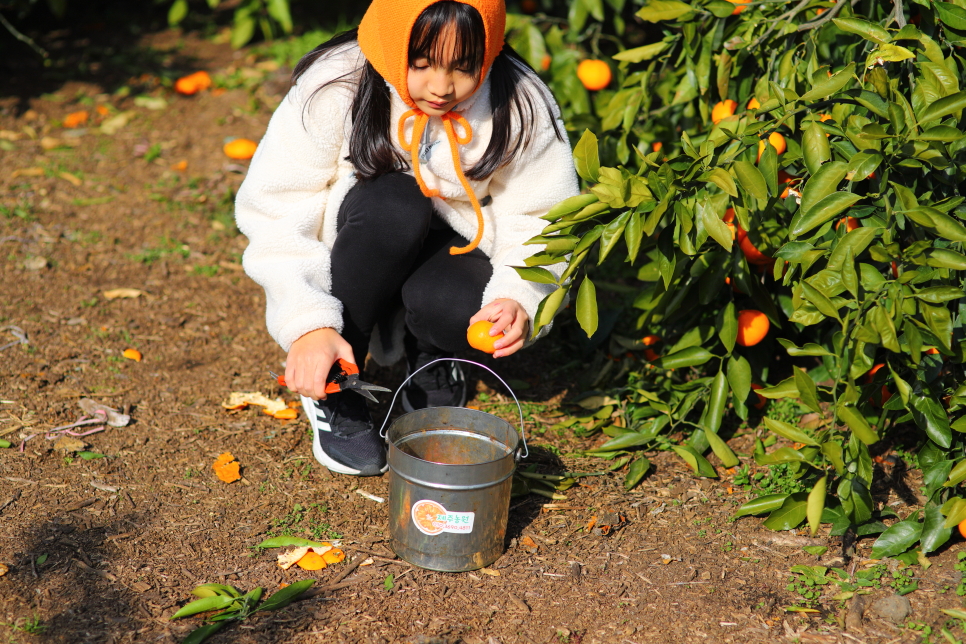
490,572
76,119
72,179
114,124
241,400
35,263
27,172
132,354
9,135
528,544
151,102
227,468
114,418
3,570
69,444
116,293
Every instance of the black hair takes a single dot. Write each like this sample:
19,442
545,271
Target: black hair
513,84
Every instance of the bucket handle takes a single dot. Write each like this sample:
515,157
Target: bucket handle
523,436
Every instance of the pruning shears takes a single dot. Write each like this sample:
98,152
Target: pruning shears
344,376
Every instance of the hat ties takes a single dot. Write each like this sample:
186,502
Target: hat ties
455,140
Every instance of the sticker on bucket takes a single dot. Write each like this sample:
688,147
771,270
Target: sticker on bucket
432,518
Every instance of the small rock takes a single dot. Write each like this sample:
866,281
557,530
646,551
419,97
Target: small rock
35,263
894,608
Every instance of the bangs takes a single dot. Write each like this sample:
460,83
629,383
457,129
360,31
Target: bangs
469,41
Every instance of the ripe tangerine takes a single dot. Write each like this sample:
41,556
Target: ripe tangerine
478,335
762,401
753,326
723,110
594,74
851,223
752,254
740,6
753,104
776,141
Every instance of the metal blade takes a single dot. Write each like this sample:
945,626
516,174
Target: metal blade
374,387
363,392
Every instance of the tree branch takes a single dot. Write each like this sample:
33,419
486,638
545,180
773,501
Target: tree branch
828,15
898,15
785,16
22,38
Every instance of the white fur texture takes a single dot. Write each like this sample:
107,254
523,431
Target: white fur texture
289,202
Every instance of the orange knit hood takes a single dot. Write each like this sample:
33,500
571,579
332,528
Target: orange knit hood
384,35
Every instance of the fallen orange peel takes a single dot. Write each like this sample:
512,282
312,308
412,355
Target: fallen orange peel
227,468
132,354
311,557
273,406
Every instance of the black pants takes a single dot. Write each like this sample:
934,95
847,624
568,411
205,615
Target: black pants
393,250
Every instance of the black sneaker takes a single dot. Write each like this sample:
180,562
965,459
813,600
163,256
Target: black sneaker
441,385
344,438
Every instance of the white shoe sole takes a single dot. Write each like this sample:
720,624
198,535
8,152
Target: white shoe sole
308,406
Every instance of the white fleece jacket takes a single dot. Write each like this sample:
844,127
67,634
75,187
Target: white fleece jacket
288,204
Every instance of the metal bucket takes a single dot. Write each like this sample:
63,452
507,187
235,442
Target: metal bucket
450,472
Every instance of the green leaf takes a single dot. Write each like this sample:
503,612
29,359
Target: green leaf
716,405
816,504
942,133
203,632
210,590
570,205
857,423
898,538
761,505
715,227
690,357
728,328
90,456
279,10
5,444
625,441
831,85
282,542
819,300
944,107
587,307
721,450
790,514
785,389
940,294
388,583
825,210
810,349
815,147
661,10
867,30
739,376
536,274
822,183
586,157
286,596
203,605
639,54
177,12
636,472
698,463
721,178
790,432
751,180
242,30
951,14
548,309
955,511
781,455
931,418
806,390
934,532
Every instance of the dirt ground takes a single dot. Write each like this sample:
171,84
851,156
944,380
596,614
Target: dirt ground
106,550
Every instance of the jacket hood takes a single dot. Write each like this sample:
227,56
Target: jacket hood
385,31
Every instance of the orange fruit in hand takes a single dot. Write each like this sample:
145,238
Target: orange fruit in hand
478,335
240,149
740,6
753,104
594,74
753,326
723,110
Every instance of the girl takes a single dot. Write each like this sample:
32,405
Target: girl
388,202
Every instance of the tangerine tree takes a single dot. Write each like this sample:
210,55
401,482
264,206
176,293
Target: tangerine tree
720,165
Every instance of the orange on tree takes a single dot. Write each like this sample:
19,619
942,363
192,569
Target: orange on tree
762,401
784,177
650,340
740,6
240,149
478,335
753,326
962,524
723,110
656,146
851,223
884,393
776,141
753,104
545,62
752,254
594,74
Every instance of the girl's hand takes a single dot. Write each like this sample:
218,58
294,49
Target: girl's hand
310,360
510,318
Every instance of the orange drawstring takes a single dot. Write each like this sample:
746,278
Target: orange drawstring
419,125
